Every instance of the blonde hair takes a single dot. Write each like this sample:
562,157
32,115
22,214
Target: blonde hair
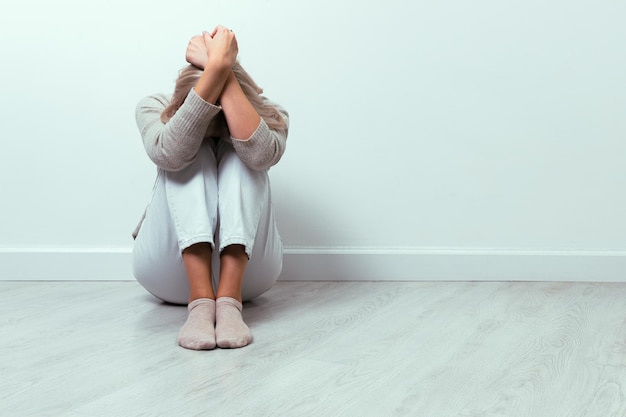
189,76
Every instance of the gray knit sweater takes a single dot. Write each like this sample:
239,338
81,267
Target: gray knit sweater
174,145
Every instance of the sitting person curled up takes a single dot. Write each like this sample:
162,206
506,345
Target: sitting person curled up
208,237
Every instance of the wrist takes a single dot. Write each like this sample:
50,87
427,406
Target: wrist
217,65
212,82
231,86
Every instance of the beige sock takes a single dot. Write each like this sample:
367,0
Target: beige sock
230,330
198,332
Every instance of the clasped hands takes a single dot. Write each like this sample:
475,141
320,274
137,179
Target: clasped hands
218,48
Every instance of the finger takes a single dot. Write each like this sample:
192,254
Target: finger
222,30
197,41
207,38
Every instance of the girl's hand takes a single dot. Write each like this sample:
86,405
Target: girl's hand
196,53
222,48
221,55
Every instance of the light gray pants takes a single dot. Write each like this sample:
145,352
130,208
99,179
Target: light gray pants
218,200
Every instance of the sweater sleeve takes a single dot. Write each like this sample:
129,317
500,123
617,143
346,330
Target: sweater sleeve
265,147
174,145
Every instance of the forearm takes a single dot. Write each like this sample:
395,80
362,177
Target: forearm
173,146
212,82
241,117
266,146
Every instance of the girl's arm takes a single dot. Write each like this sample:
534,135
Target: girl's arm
173,146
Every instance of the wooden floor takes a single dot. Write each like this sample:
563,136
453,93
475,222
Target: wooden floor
442,349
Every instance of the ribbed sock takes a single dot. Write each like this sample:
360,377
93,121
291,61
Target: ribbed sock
198,332
230,330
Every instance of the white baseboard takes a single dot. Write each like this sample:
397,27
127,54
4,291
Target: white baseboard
338,264
65,264
454,265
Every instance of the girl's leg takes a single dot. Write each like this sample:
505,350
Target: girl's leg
172,253
250,250
197,262
233,263
198,332
263,267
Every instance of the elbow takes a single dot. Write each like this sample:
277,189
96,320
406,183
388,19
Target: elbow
170,164
255,166
174,167
261,162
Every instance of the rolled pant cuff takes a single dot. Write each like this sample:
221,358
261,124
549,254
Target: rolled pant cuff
237,241
184,244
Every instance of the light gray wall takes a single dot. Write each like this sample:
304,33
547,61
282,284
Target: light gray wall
418,128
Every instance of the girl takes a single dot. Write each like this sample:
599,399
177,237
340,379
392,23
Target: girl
208,238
